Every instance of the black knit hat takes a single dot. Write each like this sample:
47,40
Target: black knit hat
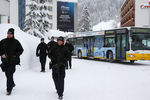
42,39
60,39
11,31
67,40
52,37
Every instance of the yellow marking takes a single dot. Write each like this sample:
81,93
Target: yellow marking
139,56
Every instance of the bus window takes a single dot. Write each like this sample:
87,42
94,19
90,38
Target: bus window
140,41
99,42
109,42
79,41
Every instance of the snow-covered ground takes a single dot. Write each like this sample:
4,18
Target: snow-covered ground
88,80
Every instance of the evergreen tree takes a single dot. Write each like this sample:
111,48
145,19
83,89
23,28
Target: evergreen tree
44,20
101,10
31,22
85,22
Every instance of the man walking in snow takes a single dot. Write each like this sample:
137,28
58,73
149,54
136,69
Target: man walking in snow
59,56
50,45
70,49
10,52
42,52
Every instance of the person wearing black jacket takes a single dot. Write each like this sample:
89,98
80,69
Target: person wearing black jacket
42,52
59,55
10,51
50,45
70,49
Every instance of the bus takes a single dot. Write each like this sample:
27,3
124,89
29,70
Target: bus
129,44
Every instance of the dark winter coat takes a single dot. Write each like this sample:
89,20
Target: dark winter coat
42,50
0,48
12,49
59,55
50,45
70,47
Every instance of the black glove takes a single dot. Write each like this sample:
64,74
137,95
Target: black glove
3,67
37,55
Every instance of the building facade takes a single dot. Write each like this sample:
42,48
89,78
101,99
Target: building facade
13,11
52,12
128,13
4,11
135,13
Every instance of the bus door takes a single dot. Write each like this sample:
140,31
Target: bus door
90,46
121,46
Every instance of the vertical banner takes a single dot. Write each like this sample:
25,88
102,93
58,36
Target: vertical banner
65,16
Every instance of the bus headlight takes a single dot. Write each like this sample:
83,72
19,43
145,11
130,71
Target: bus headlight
131,56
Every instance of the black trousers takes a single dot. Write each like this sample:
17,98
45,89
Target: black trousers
9,72
43,62
58,75
70,63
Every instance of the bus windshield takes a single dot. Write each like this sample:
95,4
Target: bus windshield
140,41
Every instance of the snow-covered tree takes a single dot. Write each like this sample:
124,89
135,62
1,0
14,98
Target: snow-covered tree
101,10
32,17
85,22
44,21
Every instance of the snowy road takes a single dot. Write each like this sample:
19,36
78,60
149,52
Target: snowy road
88,80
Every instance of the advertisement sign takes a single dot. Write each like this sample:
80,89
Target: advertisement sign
145,5
65,16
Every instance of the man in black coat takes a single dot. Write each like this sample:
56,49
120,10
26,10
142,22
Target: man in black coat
11,50
70,49
42,52
59,56
50,45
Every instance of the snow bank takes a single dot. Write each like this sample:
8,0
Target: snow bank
69,0
28,42
56,34
106,25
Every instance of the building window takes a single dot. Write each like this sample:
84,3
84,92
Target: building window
51,25
50,8
50,17
50,1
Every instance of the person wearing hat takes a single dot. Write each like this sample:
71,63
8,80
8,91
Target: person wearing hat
70,49
50,45
11,49
42,52
59,55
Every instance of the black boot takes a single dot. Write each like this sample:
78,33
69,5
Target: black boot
60,97
8,93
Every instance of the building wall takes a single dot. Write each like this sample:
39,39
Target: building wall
54,13
14,12
76,18
4,11
142,15
4,7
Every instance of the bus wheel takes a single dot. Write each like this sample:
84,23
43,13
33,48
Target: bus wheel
110,57
132,61
79,54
